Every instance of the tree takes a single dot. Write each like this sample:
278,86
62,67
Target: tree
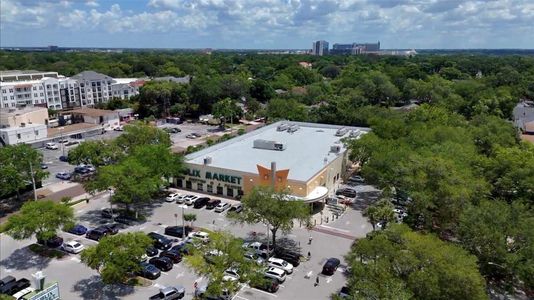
96,153
41,218
500,235
253,106
381,211
139,134
20,166
288,109
261,90
331,71
400,264
190,218
227,109
223,251
274,209
117,257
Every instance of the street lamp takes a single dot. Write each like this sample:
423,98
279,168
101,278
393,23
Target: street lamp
61,139
183,220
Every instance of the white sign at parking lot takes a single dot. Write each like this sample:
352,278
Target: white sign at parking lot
50,293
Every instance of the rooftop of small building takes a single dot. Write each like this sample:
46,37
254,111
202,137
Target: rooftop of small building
20,111
306,152
92,112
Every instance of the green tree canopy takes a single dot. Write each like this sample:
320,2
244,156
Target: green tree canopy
400,264
117,257
42,218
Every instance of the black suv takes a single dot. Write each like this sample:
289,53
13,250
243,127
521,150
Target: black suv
52,242
201,202
96,234
173,255
177,231
291,257
346,192
160,241
331,266
162,263
212,203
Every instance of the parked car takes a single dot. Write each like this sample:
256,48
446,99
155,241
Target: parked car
193,135
191,199
23,292
201,202
78,229
236,207
52,242
231,274
181,199
280,264
344,293
160,241
43,166
259,248
51,146
212,203
72,247
126,220
182,248
119,128
64,158
331,266
252,256
288,255
222,207
15,286
169,293
174,256
178,231
267,284
96,234
63,175
151,251
200,235
81,170
276,273
162,263
109,214
346,192
149,271
7,280
63,141
111,229
72,143
172,197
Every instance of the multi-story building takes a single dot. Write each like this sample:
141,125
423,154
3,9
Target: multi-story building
355,48
18,75
94,87
70,94
320,48
43,92
125,88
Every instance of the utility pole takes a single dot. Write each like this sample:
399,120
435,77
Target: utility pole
32,175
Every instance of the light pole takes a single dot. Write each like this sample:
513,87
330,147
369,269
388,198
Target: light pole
61,140
183,221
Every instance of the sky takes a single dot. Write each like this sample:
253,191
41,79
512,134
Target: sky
267,24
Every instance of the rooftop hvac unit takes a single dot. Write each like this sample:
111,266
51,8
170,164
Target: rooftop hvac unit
282,127
342,131
335,148
293,128
22,124
207,160
269,145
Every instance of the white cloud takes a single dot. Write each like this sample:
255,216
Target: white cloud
401,22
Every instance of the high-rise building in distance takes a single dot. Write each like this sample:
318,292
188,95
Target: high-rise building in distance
320,48
355,48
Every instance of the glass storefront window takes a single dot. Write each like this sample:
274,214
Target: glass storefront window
200,186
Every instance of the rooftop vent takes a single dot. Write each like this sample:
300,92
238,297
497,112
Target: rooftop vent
269,145
207,160
342,131
293,128
282,127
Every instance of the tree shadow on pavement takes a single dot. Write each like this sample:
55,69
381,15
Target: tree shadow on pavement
364,199
23,259
94,288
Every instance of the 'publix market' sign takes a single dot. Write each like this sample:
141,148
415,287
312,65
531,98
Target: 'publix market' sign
215,176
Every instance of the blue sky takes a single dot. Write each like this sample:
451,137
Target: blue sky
267,23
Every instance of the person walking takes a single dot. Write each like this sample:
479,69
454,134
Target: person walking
309,255
316,281
310,239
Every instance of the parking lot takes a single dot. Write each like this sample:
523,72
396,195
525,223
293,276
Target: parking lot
180,139
329,240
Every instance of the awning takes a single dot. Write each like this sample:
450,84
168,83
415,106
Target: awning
318,194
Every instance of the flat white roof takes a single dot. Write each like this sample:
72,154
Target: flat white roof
306,151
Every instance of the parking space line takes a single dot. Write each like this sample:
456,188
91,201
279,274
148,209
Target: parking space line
264,292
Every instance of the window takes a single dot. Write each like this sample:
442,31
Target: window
18,136
34,88
41,88
200,186
42,94
36,132
6,105
219,190
209,188
5,98
11,90
188,184
35,94
4,91
12,97
230,192
48,86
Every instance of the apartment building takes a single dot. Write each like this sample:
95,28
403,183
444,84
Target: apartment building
125,88
95,87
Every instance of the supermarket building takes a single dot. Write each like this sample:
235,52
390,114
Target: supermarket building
307,159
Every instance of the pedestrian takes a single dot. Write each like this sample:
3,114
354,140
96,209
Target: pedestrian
316,281
310,239
309,255
195,285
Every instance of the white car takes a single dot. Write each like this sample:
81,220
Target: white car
181,199
231,275
200,235
281,264
51,146
172,197
222,207
23,293
191,199
254,257
276,273
72,247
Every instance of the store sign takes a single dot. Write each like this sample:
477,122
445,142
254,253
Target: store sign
215,176
50,293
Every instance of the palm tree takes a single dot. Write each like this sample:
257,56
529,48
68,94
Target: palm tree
190,218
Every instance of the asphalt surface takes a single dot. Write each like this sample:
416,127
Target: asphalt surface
78,281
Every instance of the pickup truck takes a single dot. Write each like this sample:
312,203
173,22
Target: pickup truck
169,293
